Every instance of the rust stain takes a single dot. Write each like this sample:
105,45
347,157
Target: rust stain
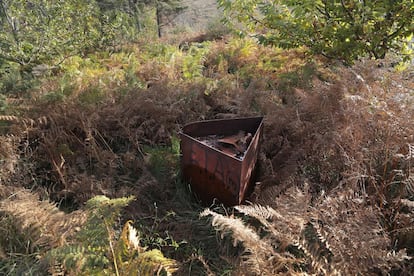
214,166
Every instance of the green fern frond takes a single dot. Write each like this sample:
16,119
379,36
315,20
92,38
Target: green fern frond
151,262
69,256
97,249
99,202
89,250
102,212
193,62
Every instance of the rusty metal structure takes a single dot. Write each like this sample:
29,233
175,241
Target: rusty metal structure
218,174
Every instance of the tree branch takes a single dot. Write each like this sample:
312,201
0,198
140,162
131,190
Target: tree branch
10,21
396,32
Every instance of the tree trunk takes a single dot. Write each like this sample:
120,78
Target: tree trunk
158,15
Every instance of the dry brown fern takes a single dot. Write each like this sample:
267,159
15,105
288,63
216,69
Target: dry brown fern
41,221
337,234
8,157
266,248
260,257
27,122
351,230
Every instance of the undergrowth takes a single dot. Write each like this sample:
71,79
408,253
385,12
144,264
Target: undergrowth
334,192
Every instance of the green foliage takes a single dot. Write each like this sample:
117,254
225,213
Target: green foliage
339,29
12,81
90,250
160,52
94,78
92,95
301,77
193,62
128,18
97,251
3,104
162,159
21,264
131,78
103,148
132,15
42,31
37,30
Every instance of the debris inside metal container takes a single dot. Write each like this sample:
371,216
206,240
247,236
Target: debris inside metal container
235,145
219,158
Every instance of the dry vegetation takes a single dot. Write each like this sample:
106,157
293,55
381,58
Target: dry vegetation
335,188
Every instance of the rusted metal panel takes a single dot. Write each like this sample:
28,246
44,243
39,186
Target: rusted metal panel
214,173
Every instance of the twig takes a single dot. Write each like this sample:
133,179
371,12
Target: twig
112,247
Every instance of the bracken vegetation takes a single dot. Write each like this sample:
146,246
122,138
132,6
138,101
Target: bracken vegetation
90,178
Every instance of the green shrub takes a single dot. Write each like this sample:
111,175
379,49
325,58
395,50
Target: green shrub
343,30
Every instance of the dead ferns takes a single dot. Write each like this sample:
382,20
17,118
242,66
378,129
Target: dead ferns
339,234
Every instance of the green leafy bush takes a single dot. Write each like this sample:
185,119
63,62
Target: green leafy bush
344,30
35,31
